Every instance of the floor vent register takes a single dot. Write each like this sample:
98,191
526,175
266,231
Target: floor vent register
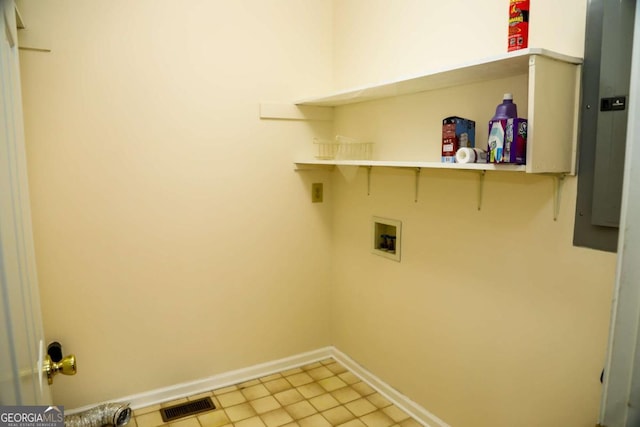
182,410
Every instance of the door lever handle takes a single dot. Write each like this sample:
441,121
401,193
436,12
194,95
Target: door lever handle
67,366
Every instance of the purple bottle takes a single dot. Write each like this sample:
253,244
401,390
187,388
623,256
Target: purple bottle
506,110
497,150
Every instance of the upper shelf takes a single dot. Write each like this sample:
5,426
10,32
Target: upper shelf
506,65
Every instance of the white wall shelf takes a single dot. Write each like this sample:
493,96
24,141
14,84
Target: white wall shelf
552,104
329,164
480,168
497,67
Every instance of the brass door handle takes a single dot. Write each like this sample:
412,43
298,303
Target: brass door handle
66,366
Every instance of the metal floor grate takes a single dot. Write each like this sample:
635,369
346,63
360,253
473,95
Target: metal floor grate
185,409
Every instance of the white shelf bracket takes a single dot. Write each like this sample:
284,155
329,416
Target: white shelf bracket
369,180
558,181
481,188
417,185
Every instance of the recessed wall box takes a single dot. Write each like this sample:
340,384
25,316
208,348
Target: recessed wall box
387,238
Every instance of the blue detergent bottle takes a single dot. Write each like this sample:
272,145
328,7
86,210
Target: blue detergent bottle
504,111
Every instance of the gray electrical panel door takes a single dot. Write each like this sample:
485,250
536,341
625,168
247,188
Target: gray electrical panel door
603,128
615,69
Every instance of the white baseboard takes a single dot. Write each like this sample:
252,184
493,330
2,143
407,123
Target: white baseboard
400,400
225,379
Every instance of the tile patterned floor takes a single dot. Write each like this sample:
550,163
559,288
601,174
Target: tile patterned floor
321,394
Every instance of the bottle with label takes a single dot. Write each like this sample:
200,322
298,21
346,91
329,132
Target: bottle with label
497,127
506,110
518,37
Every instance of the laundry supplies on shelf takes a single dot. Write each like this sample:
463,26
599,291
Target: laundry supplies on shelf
456,133
507,141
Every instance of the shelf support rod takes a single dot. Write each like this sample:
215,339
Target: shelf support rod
481,188
369,180
417,184
558,181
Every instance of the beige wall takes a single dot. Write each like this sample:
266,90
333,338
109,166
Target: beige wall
492,318
380,40
174,240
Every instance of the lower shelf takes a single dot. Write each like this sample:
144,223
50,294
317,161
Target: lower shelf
314,164
480,168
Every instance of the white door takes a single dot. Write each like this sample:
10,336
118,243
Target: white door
621,395
21,333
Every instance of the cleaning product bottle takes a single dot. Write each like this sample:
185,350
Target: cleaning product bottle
498,126
506,110
518,37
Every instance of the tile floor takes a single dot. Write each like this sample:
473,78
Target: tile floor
321,394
